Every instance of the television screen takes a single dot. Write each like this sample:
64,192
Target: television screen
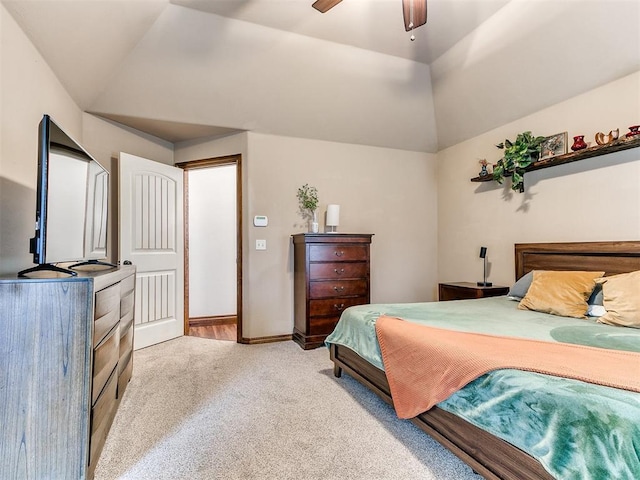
71,204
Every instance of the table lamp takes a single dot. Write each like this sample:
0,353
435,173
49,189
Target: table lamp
483,255
333,218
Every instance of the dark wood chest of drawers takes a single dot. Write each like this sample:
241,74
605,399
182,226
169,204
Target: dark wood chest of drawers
331,273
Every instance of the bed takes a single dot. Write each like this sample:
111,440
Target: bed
487,454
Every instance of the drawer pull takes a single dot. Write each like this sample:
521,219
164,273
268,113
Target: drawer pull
339,272
339,289
339,254
339,307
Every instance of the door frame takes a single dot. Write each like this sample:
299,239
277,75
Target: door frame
208,163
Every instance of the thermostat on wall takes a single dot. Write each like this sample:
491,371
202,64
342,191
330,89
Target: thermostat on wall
260,221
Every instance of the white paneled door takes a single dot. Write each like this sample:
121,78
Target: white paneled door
151,237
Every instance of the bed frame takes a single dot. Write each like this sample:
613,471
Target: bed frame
492,457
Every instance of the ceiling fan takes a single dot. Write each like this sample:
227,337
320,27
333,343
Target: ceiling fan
413,11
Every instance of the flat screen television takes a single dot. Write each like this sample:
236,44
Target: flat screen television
71,204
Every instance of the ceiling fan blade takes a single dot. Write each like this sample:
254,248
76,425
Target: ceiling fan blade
414,12
325,5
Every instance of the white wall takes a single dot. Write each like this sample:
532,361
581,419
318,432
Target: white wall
390,193
212,241
530,55
270,81
28,89
591,200
106,139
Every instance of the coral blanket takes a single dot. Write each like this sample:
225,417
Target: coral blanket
425,365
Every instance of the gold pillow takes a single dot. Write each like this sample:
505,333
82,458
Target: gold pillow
621,299
560,293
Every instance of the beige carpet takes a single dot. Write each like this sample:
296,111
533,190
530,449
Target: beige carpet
208,409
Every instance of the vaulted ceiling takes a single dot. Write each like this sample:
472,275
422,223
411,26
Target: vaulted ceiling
481,63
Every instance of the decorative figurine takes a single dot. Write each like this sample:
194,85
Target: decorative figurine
602,139
483,172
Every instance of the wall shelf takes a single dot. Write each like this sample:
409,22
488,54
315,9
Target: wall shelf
623,143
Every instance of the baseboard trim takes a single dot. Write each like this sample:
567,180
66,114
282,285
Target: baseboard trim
213,321
274,338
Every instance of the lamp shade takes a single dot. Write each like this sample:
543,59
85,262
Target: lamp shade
333,215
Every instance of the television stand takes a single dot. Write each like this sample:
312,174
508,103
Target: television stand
46,267
67,348
92,263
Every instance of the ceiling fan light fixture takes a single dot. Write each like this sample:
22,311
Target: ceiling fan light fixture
414,13
324,5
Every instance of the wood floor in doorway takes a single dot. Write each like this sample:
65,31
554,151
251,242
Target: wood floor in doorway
216,332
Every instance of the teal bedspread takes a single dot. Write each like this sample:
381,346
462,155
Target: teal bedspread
576,430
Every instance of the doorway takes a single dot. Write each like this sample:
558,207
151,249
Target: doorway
213,247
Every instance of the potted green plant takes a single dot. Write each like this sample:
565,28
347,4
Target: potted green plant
308,199
518,155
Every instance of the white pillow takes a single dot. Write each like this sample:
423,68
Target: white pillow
595,311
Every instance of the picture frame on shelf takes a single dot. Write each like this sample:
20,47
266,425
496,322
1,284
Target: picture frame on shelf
554,145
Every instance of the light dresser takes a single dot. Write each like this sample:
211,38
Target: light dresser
66,346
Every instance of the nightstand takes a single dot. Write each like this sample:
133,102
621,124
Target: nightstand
466,290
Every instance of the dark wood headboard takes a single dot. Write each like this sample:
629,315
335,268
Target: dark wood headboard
610,257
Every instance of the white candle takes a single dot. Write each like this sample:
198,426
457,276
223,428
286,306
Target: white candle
333,215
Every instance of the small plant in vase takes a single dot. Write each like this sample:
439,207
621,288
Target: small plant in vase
518,155
308,199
